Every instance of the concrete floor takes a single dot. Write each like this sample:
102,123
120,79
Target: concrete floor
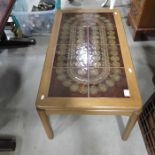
20,73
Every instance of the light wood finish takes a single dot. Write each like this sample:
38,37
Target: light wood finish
45,123
81,105
131,123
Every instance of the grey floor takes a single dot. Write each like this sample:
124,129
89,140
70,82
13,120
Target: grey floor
20,73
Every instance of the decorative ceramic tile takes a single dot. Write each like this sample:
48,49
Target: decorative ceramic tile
71,55
87,19
88,60
103,34
69,34
104,56
69,82
88,28
88,82
107,82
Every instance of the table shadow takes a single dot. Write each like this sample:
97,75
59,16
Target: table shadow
120,124
63,122
10,82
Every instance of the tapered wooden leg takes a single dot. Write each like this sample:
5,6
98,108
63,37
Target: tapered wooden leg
131,123
45,123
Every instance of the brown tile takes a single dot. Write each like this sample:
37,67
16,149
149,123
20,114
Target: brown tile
87,49
72,35
104,56
77,28
107,82
86,19
105,34
69,82
107,17
71,55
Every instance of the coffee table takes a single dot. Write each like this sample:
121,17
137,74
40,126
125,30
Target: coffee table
88,69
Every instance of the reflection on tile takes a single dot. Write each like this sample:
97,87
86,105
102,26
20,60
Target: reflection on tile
104,56
88,61
107,82
69,82
71,55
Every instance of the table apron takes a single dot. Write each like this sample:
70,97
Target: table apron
89,112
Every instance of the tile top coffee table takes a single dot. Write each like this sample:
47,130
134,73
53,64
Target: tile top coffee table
88,69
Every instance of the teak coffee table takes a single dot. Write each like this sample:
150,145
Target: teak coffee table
88,69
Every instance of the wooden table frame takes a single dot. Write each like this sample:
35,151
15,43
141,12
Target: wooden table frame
91,106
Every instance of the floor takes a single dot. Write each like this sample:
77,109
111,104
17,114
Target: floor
20,73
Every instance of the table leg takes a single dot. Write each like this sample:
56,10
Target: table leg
131,123
45,123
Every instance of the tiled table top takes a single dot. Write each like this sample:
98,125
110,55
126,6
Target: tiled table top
88,63
88,60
